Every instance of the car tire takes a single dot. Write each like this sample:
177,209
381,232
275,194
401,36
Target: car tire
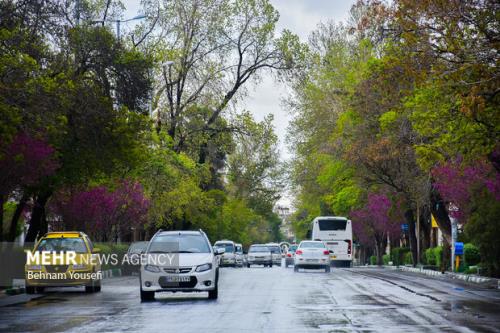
147,296
295,268
248,265
271,265
214,294
327,269
30,290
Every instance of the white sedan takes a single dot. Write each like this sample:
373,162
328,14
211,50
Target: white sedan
312,254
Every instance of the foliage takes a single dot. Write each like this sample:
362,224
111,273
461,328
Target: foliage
398,254
438,255
386,258
472,256
430,259
373,260
408,260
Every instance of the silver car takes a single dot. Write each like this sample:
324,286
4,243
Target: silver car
240,257
259,254
275,253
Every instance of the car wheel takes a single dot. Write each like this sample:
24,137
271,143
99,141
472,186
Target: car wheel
271,265
89,289
295,268
39,290
30,290
248,265
213,294
147,296
327,269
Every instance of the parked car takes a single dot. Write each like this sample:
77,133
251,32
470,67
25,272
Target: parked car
240,257
312,254
229,256
134,254
60,273
275,253
290,255
259,254
194,267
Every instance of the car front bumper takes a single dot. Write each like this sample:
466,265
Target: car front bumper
199,281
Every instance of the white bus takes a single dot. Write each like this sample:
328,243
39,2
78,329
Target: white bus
336,233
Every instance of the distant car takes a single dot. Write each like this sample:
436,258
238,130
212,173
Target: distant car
275,252
240,257
312,254
84,272
259,254
181,261
229,256
290,255
134,255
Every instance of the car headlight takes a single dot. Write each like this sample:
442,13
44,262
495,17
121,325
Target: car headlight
80,266
152,268
204,267
34,267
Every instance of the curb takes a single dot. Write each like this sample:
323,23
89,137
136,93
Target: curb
480,280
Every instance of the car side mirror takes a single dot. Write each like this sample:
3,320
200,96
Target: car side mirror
219,251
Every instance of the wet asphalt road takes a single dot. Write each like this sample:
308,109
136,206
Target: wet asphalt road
269,300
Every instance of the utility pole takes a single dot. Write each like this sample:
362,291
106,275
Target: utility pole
418,234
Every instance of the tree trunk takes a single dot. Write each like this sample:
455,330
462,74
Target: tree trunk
381,243
411,231
11,237
438,209
37,217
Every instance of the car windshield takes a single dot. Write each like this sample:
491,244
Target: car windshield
258,249
137,247
312,245
275,249
179,243
62,245
227,246
239,249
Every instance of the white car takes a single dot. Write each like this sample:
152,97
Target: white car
259,254
229,256
312,254
179,261
275,253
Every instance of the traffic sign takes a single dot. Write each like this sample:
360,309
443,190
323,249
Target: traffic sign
459,248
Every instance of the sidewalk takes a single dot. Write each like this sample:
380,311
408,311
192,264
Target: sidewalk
467,278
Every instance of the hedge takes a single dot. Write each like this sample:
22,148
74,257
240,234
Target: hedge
397,255
471,255
373,260
386,258
408,259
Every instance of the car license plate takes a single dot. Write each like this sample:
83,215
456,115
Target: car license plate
178,278
312,260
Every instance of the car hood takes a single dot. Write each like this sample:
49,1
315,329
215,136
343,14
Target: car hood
187,259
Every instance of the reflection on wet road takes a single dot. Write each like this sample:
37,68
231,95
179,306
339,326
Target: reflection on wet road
269,300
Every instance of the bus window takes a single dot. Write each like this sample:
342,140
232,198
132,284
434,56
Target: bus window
332,224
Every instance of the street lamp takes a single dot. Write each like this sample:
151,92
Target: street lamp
119,22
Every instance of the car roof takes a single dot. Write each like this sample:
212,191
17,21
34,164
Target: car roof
64,234
224,241
181,232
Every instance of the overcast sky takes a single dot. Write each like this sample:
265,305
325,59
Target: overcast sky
301,17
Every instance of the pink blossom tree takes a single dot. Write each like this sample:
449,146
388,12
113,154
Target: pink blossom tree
102,213
457,182
379,218
24,162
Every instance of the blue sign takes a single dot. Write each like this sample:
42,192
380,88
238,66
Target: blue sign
404,227
459,248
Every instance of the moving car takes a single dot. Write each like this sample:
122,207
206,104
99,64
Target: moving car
259,254
229,256
336,233
240,257
312,254
275,253
290,255
181,261
134,253
59,248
